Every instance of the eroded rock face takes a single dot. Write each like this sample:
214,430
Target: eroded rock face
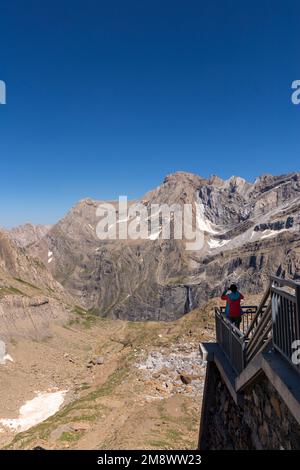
251,230
27,234
31,318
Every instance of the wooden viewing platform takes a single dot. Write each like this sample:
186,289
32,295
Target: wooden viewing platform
251,396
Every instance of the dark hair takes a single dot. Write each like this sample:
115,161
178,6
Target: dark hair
233,288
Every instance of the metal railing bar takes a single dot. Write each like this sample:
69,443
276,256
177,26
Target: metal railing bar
259,310
284,282
260,335
284,293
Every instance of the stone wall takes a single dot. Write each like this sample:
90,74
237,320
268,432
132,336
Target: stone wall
262,421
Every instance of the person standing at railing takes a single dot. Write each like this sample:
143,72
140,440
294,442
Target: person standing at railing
233,309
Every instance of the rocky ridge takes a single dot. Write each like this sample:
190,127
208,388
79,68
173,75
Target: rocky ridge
27,234
30,298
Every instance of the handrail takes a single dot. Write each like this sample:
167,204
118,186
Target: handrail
283,293
285,317
248,312
276,319
284,282
260,310
260,336
219,311
230,339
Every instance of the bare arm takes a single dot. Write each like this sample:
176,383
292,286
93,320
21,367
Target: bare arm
224,296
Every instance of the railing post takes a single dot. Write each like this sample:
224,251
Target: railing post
243,355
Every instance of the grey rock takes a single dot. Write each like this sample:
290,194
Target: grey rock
99,360
27,234
30,298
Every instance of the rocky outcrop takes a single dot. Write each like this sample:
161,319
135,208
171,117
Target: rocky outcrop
30,298
31,318
180,371
278,225
27,234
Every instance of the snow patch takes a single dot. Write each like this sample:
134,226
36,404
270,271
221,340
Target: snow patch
4,357
50,256
35,411
217,243
203,223
8,357
272,233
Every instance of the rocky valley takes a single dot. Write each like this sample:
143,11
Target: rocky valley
125,385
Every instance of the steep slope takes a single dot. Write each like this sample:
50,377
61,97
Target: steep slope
30,299
249,230
113,276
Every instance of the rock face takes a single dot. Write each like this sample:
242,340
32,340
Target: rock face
30,298
250,230
27,234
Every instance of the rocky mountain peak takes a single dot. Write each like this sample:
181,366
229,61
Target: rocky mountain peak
215,180
237,183
27,234
183,177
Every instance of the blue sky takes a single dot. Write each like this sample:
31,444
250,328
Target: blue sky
106,98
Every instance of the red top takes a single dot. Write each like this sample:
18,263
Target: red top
233,305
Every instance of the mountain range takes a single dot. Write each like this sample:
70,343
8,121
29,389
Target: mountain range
251,230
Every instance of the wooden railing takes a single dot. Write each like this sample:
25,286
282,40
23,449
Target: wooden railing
275,320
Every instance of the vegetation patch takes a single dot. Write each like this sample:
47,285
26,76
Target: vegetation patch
79,310
10,291
71,436
26,283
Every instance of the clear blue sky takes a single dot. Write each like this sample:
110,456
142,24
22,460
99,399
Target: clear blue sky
107,97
